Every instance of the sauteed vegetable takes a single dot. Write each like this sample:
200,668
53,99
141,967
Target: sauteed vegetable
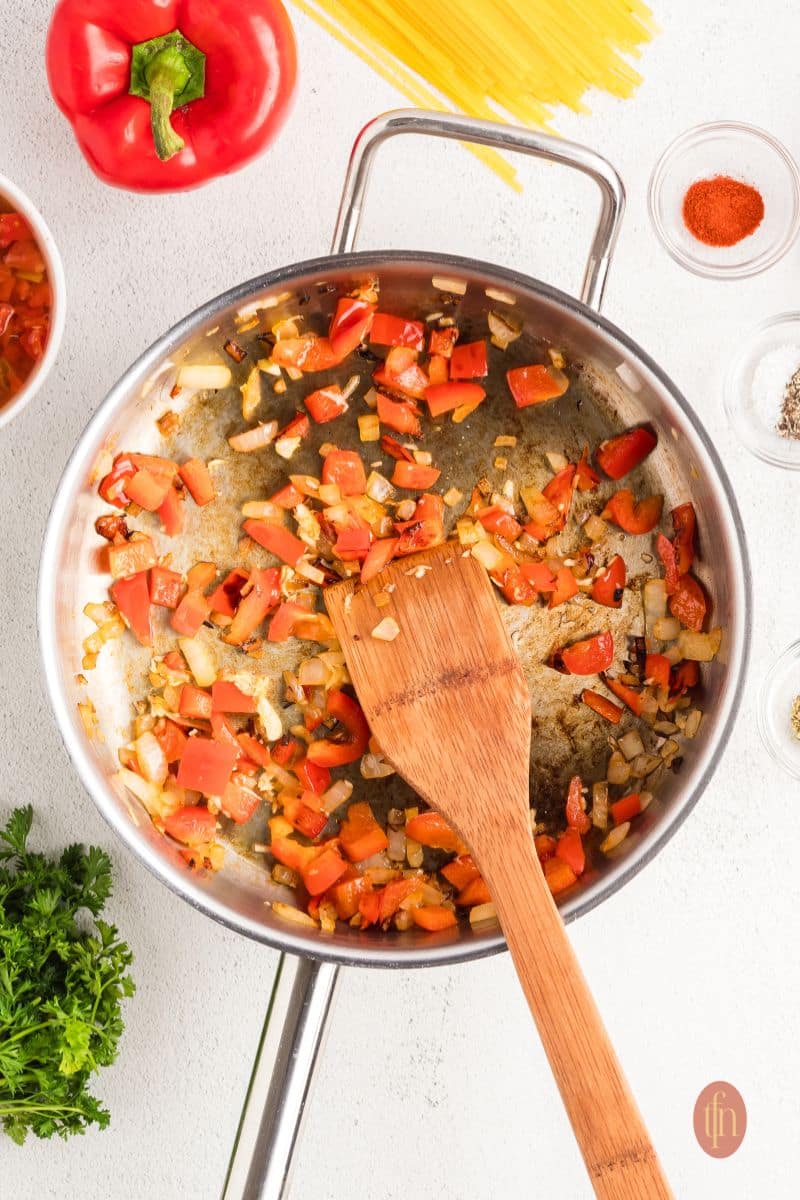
210,738
25,303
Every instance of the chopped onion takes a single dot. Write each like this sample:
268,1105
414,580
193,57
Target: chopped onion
200,657
414,853
371,398
489,556
263,510
665,628
350,386
254,439
204,377
375,766
287,912
423,458
631,744
470,532
307,570
692,725
313,673
655,602
503,329
644,764
452,497
482,912
337,795
145,790
369,427
615,837
556,358
443,283
386,630
699,647
251,394
289,327
557,461
285,447
396,849
618,770
600,804
283,875
379,488
405,510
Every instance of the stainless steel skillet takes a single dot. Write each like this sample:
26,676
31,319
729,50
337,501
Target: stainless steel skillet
614,384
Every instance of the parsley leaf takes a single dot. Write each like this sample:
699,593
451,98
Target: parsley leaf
63,977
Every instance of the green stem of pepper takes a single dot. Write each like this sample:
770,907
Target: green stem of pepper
168,72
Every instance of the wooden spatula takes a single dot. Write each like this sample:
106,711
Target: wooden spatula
449,705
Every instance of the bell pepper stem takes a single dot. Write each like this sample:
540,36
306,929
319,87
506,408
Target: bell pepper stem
168,72
162,96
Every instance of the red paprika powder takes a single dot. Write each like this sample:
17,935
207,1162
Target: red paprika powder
721,211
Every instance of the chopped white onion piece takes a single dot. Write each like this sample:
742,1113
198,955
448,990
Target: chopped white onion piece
557,461
665,628
295,916
699,647
443,283
263,510
655,602
489,556
200,657
350,386
204,376
615,837
618,770
378,487
254,439
386,630
251,394
452,497
151,758
369,427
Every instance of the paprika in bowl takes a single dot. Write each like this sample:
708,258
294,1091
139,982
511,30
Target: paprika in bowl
32,300
724,199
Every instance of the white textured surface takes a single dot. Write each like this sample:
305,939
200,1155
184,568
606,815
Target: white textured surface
433,1083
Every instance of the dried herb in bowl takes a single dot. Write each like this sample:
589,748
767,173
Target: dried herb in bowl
63,975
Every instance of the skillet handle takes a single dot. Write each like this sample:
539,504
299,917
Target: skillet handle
280,1083
501,137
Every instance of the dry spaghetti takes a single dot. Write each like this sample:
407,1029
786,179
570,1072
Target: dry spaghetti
516,60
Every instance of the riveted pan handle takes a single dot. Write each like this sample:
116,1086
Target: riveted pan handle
501,137
280,1083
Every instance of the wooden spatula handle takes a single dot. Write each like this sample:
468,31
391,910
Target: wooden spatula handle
615,1144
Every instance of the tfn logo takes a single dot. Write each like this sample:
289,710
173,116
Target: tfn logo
720,1119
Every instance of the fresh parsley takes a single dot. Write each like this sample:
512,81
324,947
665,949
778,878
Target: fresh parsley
63,974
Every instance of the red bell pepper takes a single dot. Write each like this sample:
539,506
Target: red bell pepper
634,516
361,835
166,94
566,587
352,544
444,397
148,491
239,803
399,416
539,575
277,539
414,476
575,813
570,851
688,603
206,766
347,712
588,657
608,586
475,892
324,405
625,809
515,585
657,670
381,553
166,587
313,777
442,341
350,324
666,552
400,372
468,361
434,917
397,331
323,871
226,697
628,695
132,597
226,598
195,703
602,706
345,469
535,384
171,739
263,596
191,613
619,455
684,522
431,829
496,520
171,512
199,484
193,825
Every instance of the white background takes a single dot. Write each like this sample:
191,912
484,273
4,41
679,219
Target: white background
433,1083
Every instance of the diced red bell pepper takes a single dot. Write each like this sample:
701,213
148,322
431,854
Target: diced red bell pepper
25,255
434,917
496,520
431,829
442,341
430,507
131,557
684,523
171,739
608,587
147,490
174,661
225,599
277,539
619,455
586,478
226,697
545,846
197,478
191,613
201,576
560,489
350,324
628,695
223,731
569,849
539,575
369,906
193,825
253,749
290,853
307,353
566,587
352,545
345,469
239,803
206,766
380,554
536,383
323,870
418,535
634,516
625,809
302,817
475,892
468,361
685,675
195,703
170,512
360,835
166,587
602,706
657,670
313,777
576,815
298,427
460,871
263,595
399,415
326,404
286,751
400,372
438,369
559,875
388,330
132,597
414,476
589,656
282,624
514,585
666,552
13,228
444,397
345,895
347,712
688,603
288,497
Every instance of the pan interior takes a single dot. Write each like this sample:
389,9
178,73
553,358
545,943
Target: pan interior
612,386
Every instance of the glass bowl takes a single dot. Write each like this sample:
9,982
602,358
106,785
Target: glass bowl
758,371
778,691
745,153
17,199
